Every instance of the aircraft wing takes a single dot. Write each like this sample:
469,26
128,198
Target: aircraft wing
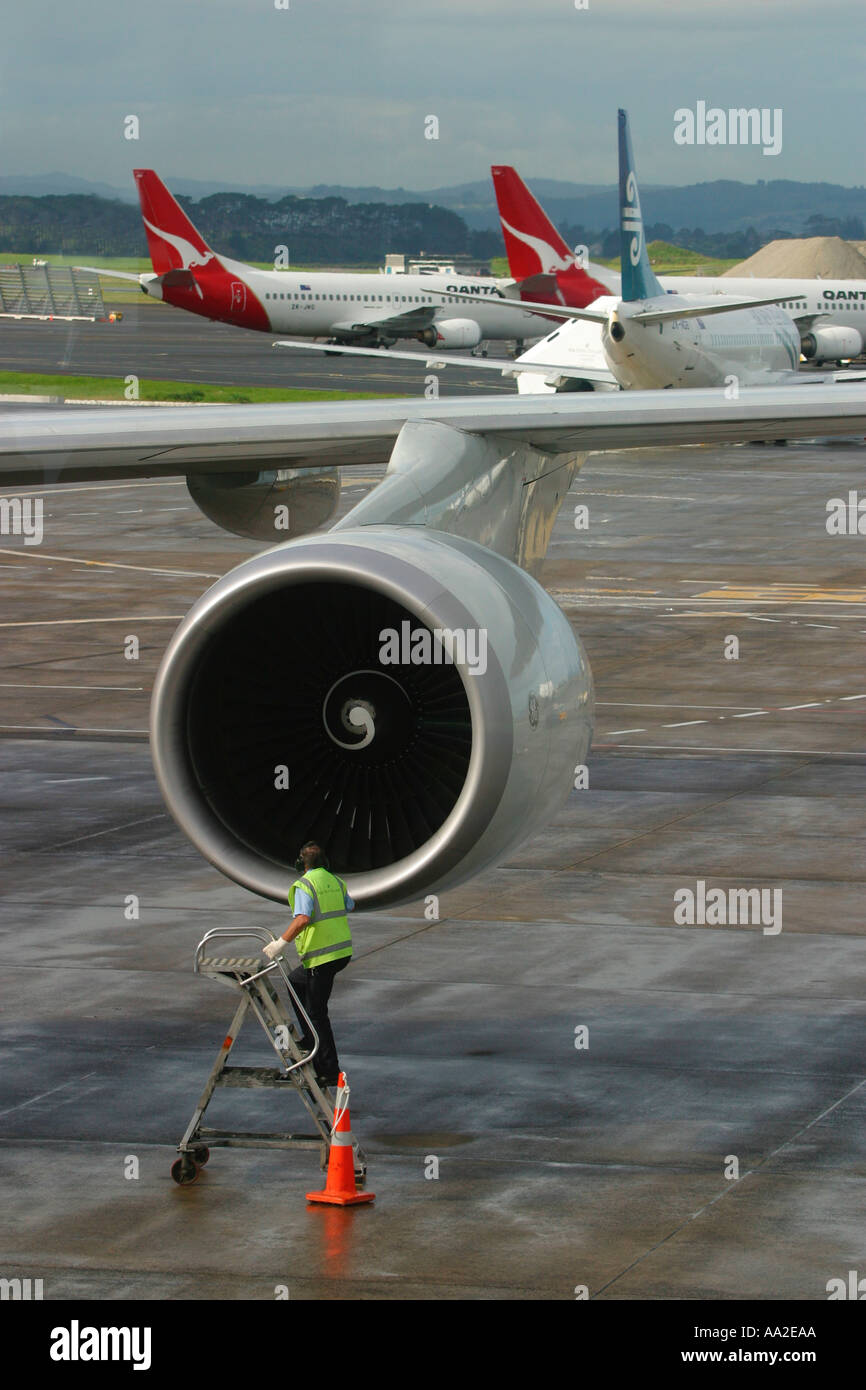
591,370
412,320
144,442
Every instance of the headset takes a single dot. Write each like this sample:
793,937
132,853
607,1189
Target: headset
299,863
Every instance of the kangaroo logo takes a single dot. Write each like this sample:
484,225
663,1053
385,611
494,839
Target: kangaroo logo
541,249
190,255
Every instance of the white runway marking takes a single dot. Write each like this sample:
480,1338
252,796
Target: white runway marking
756,752
685,723
113,565
652,704
95,834
33,1099
72,622
62,781
40,728
35,685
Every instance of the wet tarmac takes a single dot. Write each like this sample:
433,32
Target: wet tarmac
158,342
557,1084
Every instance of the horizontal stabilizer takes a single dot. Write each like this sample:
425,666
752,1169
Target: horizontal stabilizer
695,311
109,274
550,311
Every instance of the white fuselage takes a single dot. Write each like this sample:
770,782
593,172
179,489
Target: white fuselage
750,346
841,302
354,305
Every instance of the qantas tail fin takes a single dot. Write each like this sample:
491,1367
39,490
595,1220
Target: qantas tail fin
172,240
544,267
533,244
638,280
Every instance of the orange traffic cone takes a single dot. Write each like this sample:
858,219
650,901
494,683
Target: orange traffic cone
340,1189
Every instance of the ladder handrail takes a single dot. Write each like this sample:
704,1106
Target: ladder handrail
263,934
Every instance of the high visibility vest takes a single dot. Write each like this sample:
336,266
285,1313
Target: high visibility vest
328,937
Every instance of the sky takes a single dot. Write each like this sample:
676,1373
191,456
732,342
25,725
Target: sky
340,91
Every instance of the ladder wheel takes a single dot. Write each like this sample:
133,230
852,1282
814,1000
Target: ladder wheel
360,1177
184,1171
200,1153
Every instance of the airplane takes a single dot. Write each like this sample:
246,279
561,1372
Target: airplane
418,763
649,339
348,307
830,314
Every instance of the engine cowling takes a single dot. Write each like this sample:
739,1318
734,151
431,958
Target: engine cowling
284,711
452,333
833,344
272,505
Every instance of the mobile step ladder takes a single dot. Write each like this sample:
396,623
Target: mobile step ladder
259,996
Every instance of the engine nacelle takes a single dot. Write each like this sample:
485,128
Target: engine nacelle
833,344
452,333
274,505
411,699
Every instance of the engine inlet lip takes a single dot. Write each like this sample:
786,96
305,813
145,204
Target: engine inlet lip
400,575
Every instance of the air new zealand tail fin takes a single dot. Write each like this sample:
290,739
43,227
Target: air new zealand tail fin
638,281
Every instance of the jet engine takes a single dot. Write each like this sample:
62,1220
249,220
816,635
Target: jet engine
273,505
831,344
414,701
452,333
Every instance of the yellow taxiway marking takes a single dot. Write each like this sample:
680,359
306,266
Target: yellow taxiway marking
785,593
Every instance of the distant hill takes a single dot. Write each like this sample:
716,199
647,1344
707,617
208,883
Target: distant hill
323,231
769,206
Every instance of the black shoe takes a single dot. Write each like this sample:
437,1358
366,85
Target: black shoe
327,1081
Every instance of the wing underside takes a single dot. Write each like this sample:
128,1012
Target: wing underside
141,442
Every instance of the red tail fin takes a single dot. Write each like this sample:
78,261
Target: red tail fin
533,244
536,252
172,240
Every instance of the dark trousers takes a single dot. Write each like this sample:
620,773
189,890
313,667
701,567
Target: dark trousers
313,988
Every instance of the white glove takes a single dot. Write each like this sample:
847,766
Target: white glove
275,948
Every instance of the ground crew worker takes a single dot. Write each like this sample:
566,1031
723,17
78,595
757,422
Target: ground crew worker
320,930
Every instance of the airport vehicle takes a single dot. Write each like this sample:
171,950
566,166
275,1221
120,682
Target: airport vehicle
830,314
347,307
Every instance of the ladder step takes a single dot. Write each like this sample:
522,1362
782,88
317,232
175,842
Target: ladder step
248,1139
256,1077
225,965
